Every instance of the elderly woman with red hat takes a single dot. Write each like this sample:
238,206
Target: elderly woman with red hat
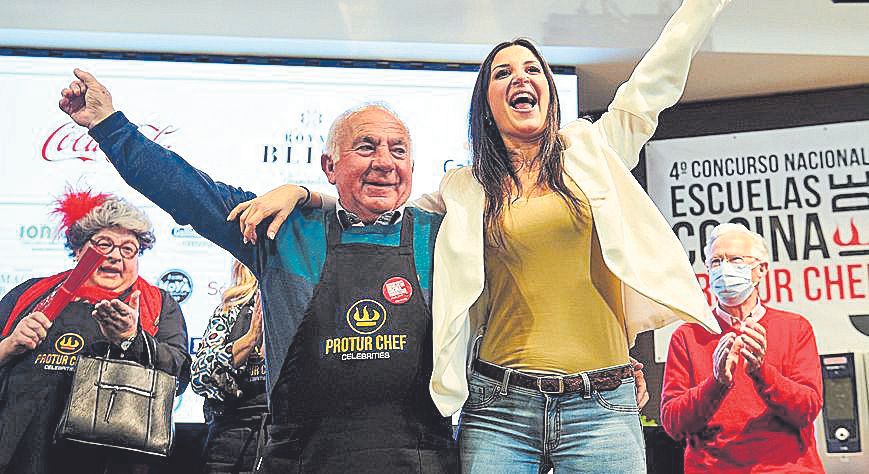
114,311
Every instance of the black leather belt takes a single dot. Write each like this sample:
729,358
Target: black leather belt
600,380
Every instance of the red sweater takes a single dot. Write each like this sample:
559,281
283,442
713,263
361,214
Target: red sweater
764,422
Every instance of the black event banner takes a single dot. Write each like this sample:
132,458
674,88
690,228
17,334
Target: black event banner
806,190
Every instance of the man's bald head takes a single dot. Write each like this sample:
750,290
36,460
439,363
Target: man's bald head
368,160
339,128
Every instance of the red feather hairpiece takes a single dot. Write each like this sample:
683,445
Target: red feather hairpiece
73,205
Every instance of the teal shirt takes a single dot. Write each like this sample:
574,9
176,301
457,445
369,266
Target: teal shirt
301,243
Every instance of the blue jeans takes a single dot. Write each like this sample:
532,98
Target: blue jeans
518,430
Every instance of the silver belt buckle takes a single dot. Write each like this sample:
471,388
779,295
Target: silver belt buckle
560,384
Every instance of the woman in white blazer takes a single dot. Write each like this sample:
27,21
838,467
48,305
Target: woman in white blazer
542,373
551,417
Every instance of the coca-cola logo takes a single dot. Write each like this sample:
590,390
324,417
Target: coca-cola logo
72,142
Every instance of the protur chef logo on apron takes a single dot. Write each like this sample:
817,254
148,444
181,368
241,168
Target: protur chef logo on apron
256,372
69,344
65,358
366,317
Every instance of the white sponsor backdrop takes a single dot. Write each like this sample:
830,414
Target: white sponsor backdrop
806,190
236,122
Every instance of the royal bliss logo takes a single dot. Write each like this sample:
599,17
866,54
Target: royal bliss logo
302,144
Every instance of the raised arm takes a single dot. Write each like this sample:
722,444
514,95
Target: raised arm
658,80
187,194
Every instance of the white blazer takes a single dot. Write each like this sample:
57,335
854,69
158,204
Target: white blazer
638,246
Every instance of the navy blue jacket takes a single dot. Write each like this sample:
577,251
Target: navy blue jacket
287,268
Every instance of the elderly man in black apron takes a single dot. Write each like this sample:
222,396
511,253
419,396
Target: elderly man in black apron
352,394
346,291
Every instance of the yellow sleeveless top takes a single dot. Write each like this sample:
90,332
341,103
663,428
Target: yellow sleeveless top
554,306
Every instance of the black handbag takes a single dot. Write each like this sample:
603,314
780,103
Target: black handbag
120,404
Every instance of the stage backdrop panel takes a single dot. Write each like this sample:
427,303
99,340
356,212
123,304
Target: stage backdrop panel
253,126
805,189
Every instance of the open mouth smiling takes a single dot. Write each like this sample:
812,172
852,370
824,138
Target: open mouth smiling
522,100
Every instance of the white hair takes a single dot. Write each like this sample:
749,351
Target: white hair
337,129
114,212
759,248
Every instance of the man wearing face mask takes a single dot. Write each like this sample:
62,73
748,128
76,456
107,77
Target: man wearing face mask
745,399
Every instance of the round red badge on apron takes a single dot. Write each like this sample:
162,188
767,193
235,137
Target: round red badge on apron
397,290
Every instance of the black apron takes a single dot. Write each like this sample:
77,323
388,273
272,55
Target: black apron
234,424
353,394
37,387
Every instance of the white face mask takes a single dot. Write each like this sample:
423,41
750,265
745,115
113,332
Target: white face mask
732,282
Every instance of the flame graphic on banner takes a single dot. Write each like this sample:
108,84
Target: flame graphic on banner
853,241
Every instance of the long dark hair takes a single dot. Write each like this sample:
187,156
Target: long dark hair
492,165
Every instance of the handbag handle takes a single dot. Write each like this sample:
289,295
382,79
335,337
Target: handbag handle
150,360
150,363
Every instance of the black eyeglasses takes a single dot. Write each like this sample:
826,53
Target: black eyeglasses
105,246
